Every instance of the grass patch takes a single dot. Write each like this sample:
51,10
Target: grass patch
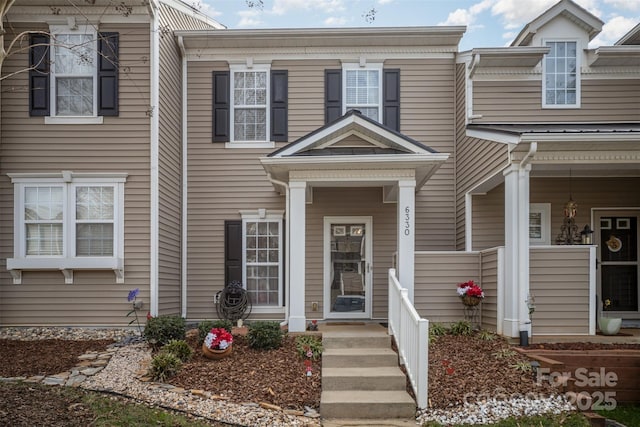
75,407
627,414
561,420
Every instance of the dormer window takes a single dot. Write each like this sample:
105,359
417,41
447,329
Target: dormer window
561,79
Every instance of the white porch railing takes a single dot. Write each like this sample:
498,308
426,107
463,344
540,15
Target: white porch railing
411,333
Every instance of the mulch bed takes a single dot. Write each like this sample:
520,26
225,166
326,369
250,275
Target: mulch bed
277,377
43,357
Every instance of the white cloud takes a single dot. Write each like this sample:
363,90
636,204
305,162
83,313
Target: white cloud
385,1
249,18
335,21
613,30
624,4
281,7
467,16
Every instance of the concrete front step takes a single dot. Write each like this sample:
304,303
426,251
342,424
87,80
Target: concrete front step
358,357
366,404
371,378
356,341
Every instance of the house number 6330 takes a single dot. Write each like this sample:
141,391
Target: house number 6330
407,220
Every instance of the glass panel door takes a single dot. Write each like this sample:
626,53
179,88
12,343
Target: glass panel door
618,244
348,272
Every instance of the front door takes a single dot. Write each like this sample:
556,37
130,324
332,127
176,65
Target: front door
618,249
347,267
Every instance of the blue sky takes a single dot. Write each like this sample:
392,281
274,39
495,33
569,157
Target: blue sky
489,22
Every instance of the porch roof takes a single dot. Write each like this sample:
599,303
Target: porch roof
528,132
353,151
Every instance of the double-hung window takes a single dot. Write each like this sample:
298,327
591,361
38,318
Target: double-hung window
73,77
363,90
73,74
250,101
561,75
68,221
370,89
250,106
262,258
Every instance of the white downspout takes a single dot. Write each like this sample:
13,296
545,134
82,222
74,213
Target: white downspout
184,228
154,154
286,248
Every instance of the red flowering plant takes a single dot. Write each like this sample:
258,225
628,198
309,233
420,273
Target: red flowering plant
470,289
218,339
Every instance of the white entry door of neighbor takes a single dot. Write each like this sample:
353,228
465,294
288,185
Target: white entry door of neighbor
347,267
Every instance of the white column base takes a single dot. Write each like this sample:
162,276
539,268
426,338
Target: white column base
297,324
511,328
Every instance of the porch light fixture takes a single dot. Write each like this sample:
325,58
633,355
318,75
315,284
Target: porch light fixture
586,235
569,234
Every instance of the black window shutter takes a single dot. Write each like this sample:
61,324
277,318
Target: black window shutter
279,105
108,50
391,101
232,251
332,95
221,107
39,101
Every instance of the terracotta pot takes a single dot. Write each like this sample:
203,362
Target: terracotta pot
471,301
610,325
216,354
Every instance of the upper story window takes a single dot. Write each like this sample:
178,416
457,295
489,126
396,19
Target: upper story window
68,221
363,91
250,105
73,75
371,89
74,72
561,82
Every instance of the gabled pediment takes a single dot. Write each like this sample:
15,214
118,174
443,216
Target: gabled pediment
353,151
356,133
567,9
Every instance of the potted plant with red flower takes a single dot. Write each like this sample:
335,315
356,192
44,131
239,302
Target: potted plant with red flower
217,344
470,293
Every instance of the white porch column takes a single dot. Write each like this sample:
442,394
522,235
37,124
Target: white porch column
516,231
406,234
297,239
524,250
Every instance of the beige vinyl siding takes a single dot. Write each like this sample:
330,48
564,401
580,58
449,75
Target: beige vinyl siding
488,219
520,101
169,168
221,182
476,159
120,144
350,202
181,21
427,115
437,275
490,267
559,280
589,193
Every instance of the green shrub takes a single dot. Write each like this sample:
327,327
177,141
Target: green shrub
437,329
265,335
179,348
485,335
461,328
162,329
206,325
164,365
309,342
